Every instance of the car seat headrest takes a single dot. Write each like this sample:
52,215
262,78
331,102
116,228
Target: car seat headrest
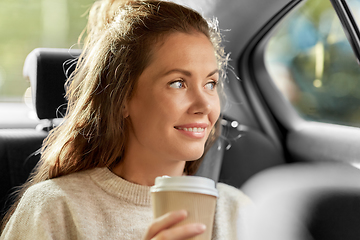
47,70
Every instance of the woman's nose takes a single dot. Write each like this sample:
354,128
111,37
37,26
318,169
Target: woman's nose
201,103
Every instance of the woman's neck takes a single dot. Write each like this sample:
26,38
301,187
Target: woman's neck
144,171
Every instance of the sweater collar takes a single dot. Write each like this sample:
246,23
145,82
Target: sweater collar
119,187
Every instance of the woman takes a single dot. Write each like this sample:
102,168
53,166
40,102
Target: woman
143,102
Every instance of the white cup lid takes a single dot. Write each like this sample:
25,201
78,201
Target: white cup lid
185,184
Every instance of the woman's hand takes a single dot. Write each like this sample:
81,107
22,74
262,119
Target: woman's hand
162,227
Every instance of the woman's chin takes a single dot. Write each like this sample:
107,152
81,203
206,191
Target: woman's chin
194,156
188,153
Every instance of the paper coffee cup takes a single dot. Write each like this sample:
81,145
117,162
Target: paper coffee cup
196,195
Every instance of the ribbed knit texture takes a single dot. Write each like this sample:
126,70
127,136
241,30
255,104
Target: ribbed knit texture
97,204
121,188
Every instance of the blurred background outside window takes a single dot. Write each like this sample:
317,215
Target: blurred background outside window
24,26
311,62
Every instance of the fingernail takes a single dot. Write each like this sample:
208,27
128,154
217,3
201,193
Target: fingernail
182,213
202,227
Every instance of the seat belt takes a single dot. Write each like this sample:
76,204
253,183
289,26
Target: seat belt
212,162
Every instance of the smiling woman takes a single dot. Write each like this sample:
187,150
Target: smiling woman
143,102
175,104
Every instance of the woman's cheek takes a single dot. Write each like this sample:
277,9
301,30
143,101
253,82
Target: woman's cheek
215,113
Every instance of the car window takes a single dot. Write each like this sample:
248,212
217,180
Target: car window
311,62
24,26
354,6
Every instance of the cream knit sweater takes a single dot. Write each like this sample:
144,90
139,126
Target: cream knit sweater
97,204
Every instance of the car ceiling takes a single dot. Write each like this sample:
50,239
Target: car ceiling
239,19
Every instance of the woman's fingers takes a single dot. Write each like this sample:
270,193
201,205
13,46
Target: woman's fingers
164,222
161,229
181,232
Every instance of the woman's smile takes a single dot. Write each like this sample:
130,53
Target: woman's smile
194,130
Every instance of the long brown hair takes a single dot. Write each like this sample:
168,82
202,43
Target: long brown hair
116,52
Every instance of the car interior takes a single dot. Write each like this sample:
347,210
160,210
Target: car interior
301,172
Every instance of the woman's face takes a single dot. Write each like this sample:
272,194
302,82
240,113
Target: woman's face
175,104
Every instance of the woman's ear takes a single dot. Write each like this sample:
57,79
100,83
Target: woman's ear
125,109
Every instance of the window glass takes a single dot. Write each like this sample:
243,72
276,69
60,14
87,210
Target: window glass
312,64
29,24
354,6
24,26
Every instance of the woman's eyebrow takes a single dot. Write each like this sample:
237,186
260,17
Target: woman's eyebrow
178,70
187,73
213,72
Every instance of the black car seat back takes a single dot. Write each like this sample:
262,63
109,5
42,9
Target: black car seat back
46,69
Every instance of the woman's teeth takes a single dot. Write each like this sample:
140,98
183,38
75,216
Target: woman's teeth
192,129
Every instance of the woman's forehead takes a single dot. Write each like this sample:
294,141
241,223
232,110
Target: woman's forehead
183,49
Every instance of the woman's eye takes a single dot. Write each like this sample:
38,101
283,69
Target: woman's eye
210,85
177,84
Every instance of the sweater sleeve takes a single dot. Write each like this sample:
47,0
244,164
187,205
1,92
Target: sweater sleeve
231,213
42,214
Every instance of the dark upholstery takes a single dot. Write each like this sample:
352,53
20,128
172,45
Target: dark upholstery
247,153
17,158
47,69
335,215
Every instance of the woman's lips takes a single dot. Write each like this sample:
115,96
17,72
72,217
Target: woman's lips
194,130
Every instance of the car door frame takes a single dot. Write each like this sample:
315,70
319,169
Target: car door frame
302,140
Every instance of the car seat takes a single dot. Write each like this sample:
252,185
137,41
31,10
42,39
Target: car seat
19,148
